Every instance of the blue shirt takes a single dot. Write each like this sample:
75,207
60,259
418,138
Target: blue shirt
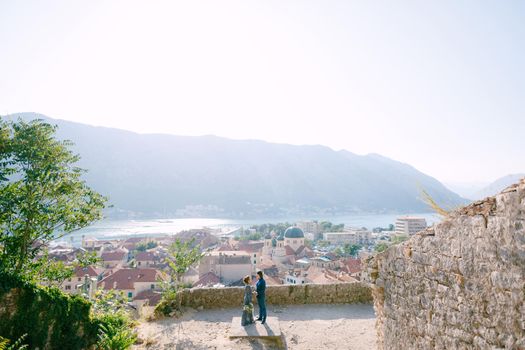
260,287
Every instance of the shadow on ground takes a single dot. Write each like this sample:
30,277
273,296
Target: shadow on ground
291,312
304,327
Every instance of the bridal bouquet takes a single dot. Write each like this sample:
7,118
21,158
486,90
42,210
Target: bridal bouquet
249,307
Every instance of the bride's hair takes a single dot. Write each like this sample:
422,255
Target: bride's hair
246,279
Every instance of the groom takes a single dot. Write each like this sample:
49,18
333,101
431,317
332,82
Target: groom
261,298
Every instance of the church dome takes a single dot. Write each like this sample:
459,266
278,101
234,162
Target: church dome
293,232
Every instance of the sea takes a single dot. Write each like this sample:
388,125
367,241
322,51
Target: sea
119,229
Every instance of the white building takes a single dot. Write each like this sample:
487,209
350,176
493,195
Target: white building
409,225
310,228
230,266
294,278
323,262
89,242
117,258
349,236
339,237
362,236
303,263
255,250
84,279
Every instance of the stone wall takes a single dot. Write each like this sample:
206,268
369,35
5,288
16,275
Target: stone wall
209,298
459,284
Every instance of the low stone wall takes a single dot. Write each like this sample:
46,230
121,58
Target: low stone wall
458,285
343,293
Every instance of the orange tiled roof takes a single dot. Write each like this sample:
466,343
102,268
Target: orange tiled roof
208,279
352,265
126,278
288,250
82,271
145,256
153,297
272,281
116,255
251,247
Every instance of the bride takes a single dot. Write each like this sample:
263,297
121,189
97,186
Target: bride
247,314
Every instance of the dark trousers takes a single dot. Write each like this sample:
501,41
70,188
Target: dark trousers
262,308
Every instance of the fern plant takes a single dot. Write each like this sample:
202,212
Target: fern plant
114,337
3,343
17,345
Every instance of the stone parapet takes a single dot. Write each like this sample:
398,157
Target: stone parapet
341,293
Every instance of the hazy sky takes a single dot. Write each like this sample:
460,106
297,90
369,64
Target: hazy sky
437,84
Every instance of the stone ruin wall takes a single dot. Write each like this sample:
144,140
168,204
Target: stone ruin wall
459,284
210,298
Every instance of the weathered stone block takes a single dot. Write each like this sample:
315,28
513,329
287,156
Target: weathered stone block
462,288
209,298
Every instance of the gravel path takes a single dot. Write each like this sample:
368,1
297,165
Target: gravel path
304,327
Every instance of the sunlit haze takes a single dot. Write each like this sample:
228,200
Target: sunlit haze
436,84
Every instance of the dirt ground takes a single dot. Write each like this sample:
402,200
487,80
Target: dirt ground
304,327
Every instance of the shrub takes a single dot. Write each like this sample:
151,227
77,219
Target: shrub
170,305
50,318
115,326
115,337
166,306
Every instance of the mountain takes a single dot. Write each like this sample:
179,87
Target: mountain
166,175
465,189
497,186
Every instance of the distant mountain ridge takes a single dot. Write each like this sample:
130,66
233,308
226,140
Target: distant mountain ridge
497,186
168,175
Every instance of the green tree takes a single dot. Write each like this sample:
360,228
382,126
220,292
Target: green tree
278,228
338,251
308,243
42,194
338,228
87,259
111,302
398,239
323,244
352,249
52,272
143,246
181,256
326,226
251,237
381,247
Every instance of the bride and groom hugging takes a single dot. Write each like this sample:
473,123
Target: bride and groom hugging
260,288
